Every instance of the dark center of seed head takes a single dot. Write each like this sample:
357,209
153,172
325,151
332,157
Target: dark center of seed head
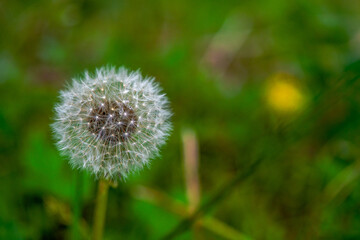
112,121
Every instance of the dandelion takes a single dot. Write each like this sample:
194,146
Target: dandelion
111,123
284,95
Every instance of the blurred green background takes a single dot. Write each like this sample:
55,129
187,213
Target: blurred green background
274,80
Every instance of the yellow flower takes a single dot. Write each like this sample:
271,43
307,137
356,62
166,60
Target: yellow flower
284,95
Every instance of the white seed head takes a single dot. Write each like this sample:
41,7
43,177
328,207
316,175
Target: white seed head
111,123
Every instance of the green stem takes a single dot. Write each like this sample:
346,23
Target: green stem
100,209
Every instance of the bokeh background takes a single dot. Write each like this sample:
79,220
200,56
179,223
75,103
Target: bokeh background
274,82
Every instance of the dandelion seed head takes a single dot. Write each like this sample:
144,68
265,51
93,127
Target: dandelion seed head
119,129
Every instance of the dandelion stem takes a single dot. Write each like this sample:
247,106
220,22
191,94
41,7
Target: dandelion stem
100,209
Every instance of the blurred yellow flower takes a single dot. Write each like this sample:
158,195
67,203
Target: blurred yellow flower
284,95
